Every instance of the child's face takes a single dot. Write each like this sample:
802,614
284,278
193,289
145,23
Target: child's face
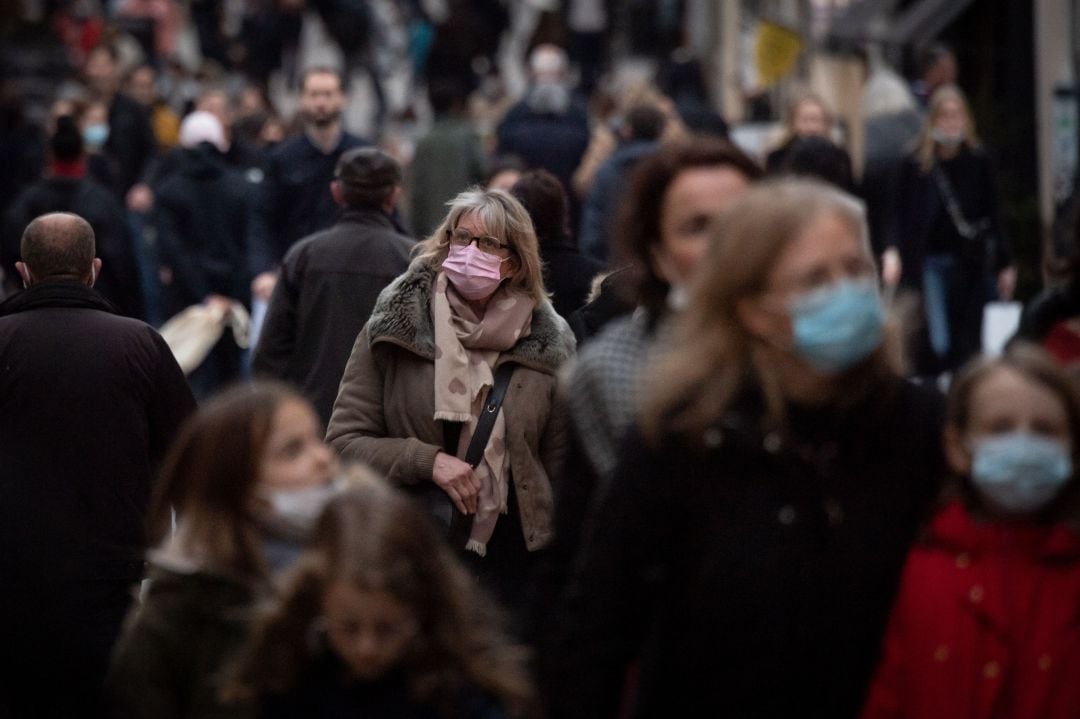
296,456
1006,402
369,630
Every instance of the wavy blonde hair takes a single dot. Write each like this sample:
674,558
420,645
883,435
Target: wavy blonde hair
924,145
505,219
713,357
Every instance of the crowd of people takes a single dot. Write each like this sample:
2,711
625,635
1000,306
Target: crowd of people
574,408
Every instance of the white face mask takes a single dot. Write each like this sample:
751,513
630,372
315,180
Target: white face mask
302,506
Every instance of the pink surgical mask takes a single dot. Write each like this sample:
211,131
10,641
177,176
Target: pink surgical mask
474,273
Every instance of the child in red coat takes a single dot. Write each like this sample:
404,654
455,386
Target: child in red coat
987,621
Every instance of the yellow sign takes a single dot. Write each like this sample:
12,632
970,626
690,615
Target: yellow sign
775,52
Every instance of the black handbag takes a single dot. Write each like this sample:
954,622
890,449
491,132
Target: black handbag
459,525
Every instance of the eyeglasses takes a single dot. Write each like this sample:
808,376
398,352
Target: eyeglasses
462,238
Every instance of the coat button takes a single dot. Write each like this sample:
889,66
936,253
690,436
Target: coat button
1045,662
786,515
941,654
976,594
963,560
713,438
991,670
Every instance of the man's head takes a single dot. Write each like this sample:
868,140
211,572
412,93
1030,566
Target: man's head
366,178
550,85
322,97
58,247
102,71
937,66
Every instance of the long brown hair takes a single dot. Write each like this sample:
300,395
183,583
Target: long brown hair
713,357
375,539
210,474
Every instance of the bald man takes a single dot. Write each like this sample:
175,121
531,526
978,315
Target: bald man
89,401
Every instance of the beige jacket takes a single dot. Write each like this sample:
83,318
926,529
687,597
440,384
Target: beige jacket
385,406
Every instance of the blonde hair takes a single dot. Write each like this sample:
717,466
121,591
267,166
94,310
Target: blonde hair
505,219
798,99
925,146
713,357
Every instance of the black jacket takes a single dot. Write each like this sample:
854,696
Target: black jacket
568,274
921,224
119,279
131,142
1052,305
201,213
294,199
89,402
753,576
328,287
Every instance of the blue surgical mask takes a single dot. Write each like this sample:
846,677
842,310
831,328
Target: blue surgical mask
837,326
96,135
1020,472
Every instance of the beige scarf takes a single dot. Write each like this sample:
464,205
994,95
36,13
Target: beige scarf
466,350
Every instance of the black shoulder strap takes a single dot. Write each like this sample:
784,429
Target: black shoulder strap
486,422
966,229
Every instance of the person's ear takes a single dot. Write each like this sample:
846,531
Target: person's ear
337,192
392,199
24,273
95,270
957,453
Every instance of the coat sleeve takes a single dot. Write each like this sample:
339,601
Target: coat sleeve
262,221
145,678
608,604
277,343
171,400
358,424
171,233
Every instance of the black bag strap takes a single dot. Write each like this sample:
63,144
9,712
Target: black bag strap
461,525
966,229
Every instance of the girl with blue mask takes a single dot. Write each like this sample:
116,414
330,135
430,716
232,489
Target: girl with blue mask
990,598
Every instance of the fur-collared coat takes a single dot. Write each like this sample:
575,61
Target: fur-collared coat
384,414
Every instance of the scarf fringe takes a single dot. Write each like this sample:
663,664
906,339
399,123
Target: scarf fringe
474,546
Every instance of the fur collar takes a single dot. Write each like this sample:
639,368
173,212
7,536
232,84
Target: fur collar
402,316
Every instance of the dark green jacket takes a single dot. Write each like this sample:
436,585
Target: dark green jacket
169,659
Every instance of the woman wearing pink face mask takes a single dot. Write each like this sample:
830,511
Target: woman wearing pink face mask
421,372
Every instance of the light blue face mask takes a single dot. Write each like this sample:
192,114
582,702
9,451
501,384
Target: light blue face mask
96,135
1020,472
837,326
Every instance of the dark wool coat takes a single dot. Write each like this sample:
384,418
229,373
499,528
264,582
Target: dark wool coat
385,408
89,402
328,287
987,624
750,575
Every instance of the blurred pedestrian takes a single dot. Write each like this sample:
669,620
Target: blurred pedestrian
748,549
201,215
471,310
294,199
89,402
330,281
807,116
818,158
1050,318
243,484
69,187
947,239
141,86
639,136
937,68
989,596
380,620
568,274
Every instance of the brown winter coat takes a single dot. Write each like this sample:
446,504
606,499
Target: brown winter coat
386,403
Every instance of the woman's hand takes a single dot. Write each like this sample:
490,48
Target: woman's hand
457,479
891,267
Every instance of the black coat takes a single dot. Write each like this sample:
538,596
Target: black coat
752,577
119,278
201,214
294,198
89,402
568,275
328,287
131,142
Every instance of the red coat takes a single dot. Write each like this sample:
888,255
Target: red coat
987,624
